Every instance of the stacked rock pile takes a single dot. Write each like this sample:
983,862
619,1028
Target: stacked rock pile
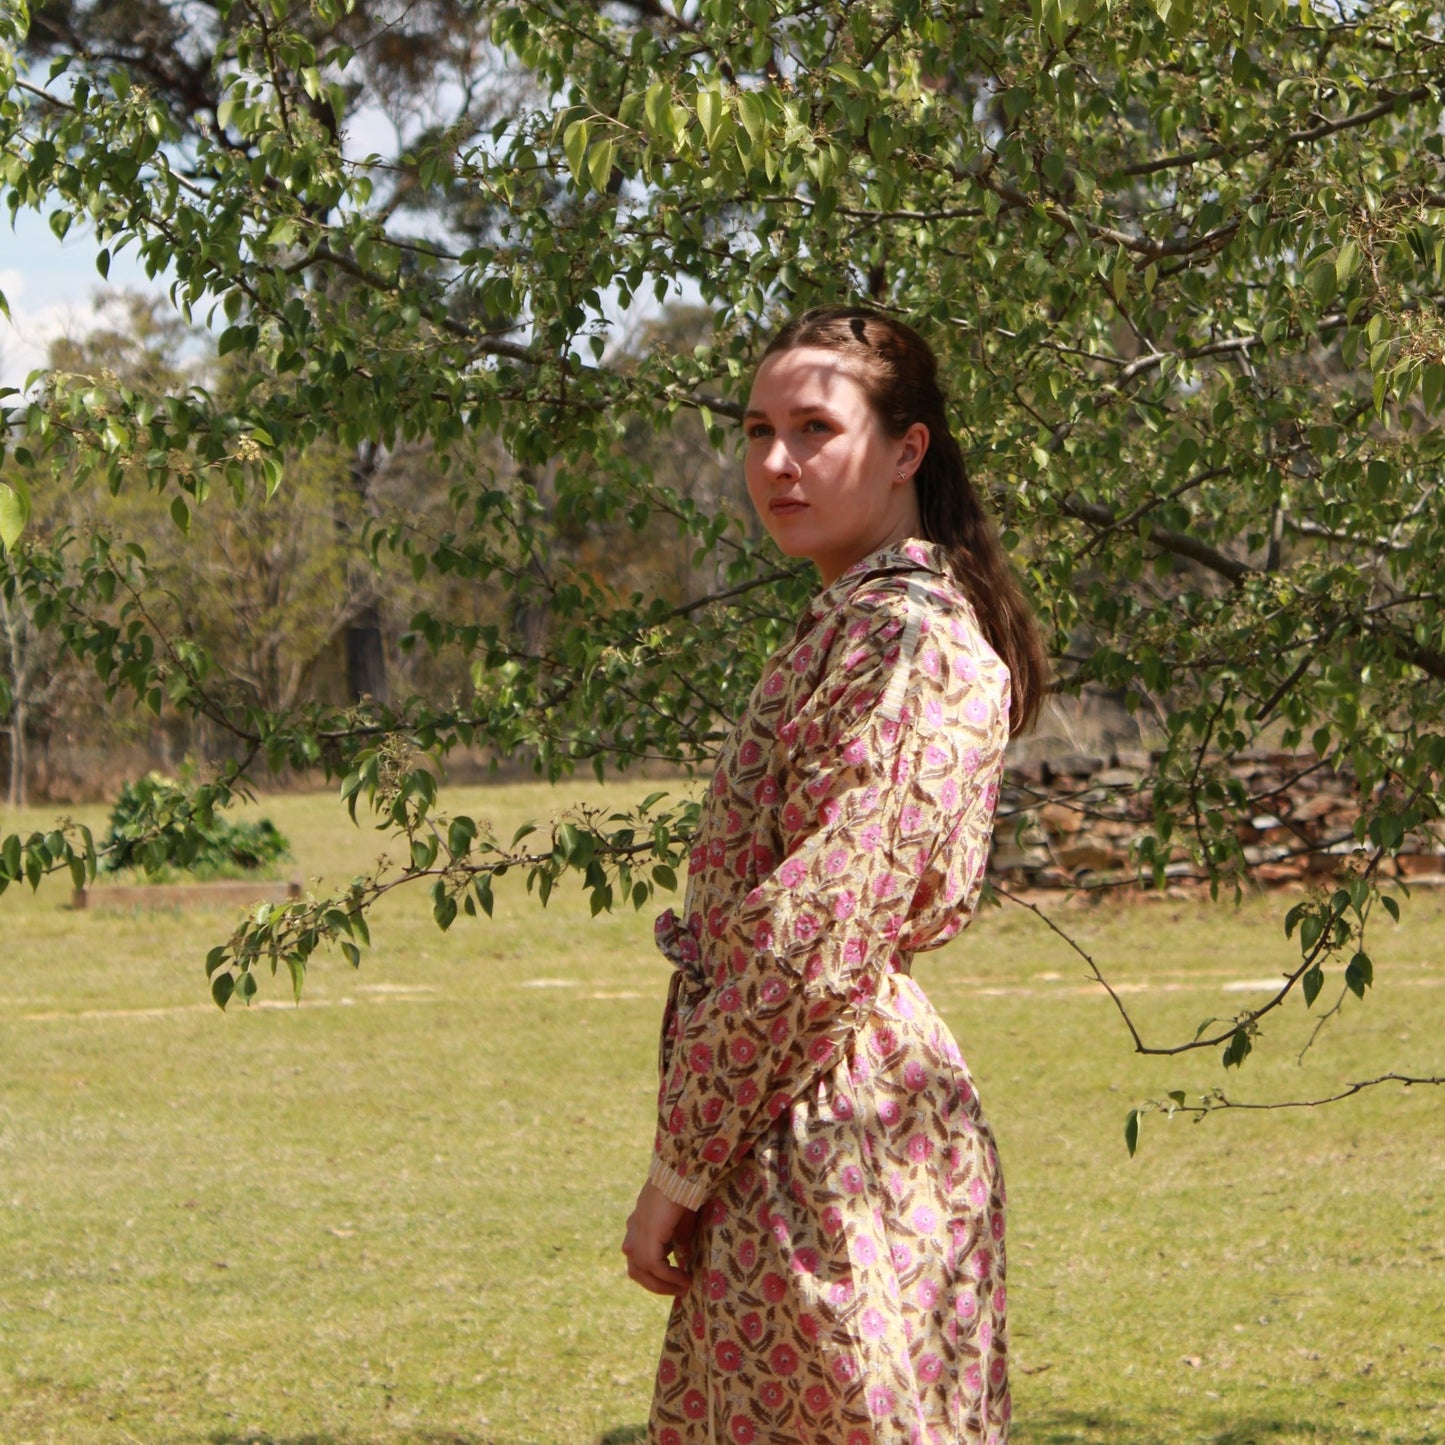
1071,822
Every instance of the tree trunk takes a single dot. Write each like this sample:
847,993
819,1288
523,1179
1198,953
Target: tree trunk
16,797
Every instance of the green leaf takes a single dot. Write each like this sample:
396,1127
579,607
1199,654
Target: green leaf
1312,982
14,514
1391,907
1359,974
574,147
222,987
1131,1131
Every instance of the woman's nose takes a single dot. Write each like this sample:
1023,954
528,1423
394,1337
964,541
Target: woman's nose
779,460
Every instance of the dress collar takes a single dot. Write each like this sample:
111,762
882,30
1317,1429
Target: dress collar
912,554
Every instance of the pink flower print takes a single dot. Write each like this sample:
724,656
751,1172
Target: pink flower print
852,660
699,1058
734,821
751,1325
948,794
719,783
773,991
802,657
763,935
985,1337
788,732
889,1112
874,1325
853,952
766,792
842,1107
697,860
815,1151
694,1406
933,712
995,1225
832,1221
747,1250
784,1360
742,1052
888,731
831,811
1000,1301
880,1401
816,1398
747,1094
697,1324
667,1372
976,711
997,1372
902,1257
743,1430
859,1437
712,1111
884,1042
728,1356
836,861
926,1294
729,999
977,1192
930,1367
717,1284
774,684
804,1261
852,1179
920,1148
843,1367
839,1294
845,905
774,1287
794,818
925,1221
869,837
855,753
982,1263
716,922
715,1151
811,737
973,1380
669,1437
675,1121
717,853
805,929
792,873
779,1105
762,858
864,1250
809,1326
929,662
966,668
820,1050
771,1394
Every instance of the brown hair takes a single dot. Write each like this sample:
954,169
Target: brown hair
897,369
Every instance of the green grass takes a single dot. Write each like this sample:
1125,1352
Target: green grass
392,1214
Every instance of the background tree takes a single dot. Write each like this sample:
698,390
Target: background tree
1184,266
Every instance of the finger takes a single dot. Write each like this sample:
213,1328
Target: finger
656,1283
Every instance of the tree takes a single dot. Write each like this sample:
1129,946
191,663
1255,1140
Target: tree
1184,265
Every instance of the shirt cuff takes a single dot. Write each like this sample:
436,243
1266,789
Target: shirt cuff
679,1190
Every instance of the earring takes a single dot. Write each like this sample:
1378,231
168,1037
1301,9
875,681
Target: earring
900,475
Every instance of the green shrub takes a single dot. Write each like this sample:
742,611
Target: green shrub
154,820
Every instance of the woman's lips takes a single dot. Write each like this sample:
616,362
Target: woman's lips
785,506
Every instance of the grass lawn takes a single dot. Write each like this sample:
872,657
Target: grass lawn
392,1214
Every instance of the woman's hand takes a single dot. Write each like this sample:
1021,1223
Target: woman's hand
656,1228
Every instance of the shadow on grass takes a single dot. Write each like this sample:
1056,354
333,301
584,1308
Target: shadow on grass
624,1435
1082,1427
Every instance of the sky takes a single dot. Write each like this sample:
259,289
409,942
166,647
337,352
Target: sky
53,289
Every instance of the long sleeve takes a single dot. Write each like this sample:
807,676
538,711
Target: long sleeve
881,781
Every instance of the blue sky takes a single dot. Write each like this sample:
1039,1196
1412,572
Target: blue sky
52,287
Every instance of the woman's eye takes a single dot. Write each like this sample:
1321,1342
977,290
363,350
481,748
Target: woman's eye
758,431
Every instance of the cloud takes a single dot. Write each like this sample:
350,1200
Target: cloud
26,337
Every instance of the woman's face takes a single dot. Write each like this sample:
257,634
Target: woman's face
827,480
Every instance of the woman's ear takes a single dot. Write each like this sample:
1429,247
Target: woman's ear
912,447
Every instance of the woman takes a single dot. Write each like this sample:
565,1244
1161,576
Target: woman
822,1175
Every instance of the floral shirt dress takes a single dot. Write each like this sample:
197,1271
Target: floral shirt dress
848,1266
